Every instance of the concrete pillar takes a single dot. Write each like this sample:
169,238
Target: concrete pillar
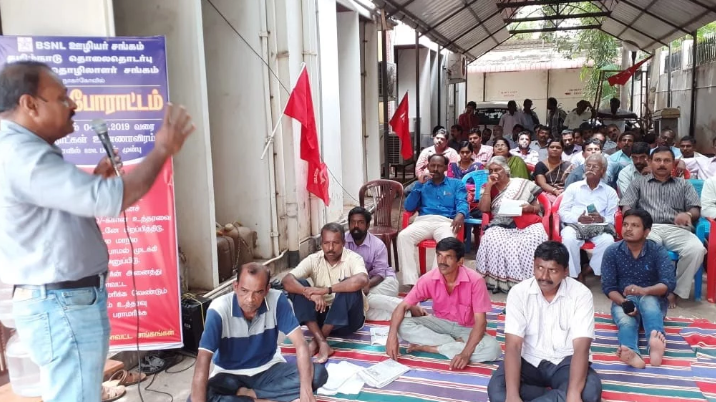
51,17
349,74
371,37
181,22
328,106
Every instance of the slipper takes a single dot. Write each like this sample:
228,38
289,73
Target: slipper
124,377
112,393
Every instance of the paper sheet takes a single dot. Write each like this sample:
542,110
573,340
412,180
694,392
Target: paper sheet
342,378
511,208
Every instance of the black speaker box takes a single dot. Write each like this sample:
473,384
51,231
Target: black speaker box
193,313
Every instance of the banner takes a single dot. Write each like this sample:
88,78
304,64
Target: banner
124,82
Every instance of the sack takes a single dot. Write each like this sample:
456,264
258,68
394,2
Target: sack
226,256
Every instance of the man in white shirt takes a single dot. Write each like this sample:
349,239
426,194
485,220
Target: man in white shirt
581,114
549,327
541,143
523,150
581,222
708,198
615,115
700,166
509,119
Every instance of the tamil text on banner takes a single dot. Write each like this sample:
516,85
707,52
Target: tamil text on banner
124,82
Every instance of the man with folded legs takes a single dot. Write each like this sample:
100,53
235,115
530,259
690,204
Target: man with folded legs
442,204
241,335
549,327
636,276
460,303
333,303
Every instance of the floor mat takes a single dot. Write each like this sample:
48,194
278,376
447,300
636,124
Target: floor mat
431,380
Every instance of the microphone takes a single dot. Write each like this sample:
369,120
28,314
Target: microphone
100,127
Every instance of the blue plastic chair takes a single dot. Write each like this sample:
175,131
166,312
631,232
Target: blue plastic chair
702,232
479,177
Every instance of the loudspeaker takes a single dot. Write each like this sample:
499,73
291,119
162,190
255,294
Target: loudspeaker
193,314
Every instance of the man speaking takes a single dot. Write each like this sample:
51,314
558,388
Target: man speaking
51,248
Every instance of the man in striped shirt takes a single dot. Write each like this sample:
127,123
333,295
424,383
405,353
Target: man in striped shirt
675,206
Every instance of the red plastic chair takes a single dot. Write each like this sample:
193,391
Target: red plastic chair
425,244
546,210
711,259
530,167
588,245
384,194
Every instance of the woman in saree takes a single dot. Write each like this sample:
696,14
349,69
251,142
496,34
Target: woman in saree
506,253
551,173
465,165
518,167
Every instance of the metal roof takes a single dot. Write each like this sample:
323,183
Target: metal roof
474,27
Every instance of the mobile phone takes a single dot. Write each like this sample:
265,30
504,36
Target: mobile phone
591,209
628,306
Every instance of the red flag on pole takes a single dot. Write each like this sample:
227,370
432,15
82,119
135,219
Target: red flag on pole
623,77
300,107
399,124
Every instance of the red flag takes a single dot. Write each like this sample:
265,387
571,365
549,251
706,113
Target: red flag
623,77
300,107
399,123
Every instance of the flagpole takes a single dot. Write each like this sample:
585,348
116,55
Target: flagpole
269,140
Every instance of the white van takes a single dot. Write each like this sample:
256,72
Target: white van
489,113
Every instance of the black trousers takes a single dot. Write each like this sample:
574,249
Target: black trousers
345,314
544,383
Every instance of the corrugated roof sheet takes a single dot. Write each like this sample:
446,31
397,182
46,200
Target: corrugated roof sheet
474,27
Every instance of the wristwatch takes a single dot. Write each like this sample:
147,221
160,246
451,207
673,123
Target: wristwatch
330,290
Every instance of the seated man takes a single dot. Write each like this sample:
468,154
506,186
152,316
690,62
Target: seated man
334,304
639,167
480,153
674,206
549,327
382,288
241,336
440,147
583,223
636,276
460,301
442,204
708,198
700,166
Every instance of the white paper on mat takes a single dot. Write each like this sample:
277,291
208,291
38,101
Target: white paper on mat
511,208
342,378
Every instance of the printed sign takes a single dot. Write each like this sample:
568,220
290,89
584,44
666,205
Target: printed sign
124,82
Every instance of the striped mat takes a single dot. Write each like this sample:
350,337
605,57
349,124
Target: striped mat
682,376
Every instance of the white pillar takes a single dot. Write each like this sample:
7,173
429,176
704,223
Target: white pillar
181,22
352,152
371,101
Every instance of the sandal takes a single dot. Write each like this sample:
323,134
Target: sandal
112,393
124,377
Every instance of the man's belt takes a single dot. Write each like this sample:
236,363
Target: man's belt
86,282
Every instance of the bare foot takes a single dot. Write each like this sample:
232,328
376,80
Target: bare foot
672,300
324,351
417,311
657,346
414,347
629,357
312,348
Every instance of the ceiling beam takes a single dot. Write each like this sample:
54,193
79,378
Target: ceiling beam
553,29
635,30
706,6
398,8
557,17
649,13
481,23
491,49
420,24
446,19
471,28
516,4
641,12
689,22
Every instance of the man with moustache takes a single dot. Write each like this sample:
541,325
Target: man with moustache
523,150
639,166
480,153
382,287
334,304
569,148
51,249
674,205
541,143
460,303
442,204
549,327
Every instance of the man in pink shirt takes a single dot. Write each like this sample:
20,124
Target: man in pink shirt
460,303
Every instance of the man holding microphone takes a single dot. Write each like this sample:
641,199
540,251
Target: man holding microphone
51,248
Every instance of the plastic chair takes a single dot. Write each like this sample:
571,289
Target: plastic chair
711,255
546,210
384,193
479,177
588,245
530,167
698,278
703,228
425,244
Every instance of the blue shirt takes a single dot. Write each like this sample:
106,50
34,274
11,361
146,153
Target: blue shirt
48,210
620,269
621,158
445,199
676,151
244,347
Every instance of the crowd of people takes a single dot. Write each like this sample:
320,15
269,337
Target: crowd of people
626,199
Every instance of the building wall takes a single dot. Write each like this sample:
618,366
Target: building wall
372,131
406,83
51,17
